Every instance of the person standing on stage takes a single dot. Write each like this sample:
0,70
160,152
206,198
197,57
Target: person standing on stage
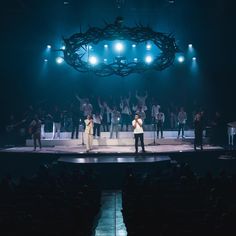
137,124
140,111
182,118
198,131
125,113
87,108
56,117
42,117
115,119
88,133
141,99
155,110
35,131
105,112
75,116
97,120
160,119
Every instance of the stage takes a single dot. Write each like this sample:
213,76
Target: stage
113,161
111,150
122,145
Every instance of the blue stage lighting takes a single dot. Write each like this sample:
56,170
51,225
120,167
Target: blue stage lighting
46,60
63,47
135,59
119,47
105,60
90,47
105,46
93,60
59,60
49,46
133,45
190,45
181,59
148,46
148,59
194,58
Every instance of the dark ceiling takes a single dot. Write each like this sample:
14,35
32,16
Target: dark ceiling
27,26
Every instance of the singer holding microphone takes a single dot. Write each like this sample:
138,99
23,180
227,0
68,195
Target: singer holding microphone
137,124
88,133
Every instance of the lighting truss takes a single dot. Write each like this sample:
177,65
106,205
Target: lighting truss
77,46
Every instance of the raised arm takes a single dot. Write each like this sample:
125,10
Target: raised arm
78,98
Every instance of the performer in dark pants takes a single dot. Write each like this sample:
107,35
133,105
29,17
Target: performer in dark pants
198,131
160,119
182,118
97,121
75,115
35,130
137,124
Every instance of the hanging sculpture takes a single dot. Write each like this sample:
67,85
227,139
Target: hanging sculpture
76,47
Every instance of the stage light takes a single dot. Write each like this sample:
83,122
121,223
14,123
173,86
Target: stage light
133,45
105,46
93,60
105,60
181,59
59,60
90,47
194,58
190,45
135,59
49,46
148,46
63,47
46,60
119,47
148,59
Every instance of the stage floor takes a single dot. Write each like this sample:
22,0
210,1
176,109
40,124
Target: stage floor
81,150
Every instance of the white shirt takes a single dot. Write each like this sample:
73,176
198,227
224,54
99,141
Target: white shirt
155,110
182,117
97,119
138,129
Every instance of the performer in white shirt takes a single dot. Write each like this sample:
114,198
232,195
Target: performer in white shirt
105,112
115,119
155,110
88,133
137,124
97,120
142,99
182,118
87,108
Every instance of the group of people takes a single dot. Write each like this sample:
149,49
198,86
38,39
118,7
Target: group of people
114,116
137,124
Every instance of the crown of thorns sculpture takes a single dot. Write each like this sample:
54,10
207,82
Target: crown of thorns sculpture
76,47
